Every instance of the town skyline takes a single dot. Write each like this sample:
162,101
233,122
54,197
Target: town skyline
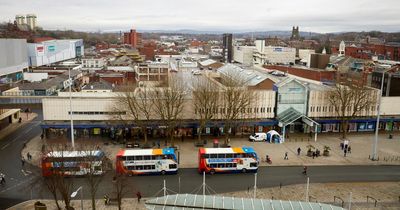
311,15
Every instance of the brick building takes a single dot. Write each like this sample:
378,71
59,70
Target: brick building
388,51
313,74
133,38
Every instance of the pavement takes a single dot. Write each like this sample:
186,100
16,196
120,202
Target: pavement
361,144
26,118
386,194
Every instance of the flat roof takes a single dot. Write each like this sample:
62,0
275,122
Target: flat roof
193,201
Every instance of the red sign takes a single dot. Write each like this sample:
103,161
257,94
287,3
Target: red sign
40,49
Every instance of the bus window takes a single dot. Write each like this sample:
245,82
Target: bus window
234,165
229,155
213,165
138,157
131,167
253,164
139,167
147,167
221,155
229,165
130,158
172,166
239,156
146,157
97,168
221,165
213,155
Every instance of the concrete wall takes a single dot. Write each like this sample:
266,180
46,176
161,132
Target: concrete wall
390,106
243,54
13,56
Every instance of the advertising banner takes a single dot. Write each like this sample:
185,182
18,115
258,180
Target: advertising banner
39,50
51,48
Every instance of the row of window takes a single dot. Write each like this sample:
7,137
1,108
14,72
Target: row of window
235,155
97,113
146,157
243,110
149,167
227,165
331,108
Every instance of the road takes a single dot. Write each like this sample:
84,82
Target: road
23,185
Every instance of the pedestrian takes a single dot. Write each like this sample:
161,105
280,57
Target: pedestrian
286,156
22,161
305,170
345,152
41,136
314,154
345,146
349,149
105,199
342,146
28,156
139,196
2,179
298,151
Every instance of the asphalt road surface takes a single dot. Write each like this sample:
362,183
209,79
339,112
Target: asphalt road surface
24,183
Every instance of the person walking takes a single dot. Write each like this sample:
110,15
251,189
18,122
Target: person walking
139,196
298,151
286,156
22,161
345,152
349,149
2,179
305,170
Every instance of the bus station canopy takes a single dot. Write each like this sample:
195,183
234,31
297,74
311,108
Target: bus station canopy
290,115
193,201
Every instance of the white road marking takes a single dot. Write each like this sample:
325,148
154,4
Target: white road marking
8,144
14,186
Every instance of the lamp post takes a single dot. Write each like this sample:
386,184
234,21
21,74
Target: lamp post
374,155
73,194
70,108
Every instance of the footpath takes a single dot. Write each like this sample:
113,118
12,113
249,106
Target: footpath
385,193
26,118
361,149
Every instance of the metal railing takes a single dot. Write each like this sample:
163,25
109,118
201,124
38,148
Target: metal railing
338,198
372,198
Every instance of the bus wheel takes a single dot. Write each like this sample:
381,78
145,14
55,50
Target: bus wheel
244,170
163,172
212,171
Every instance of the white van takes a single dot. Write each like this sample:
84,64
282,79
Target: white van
258,137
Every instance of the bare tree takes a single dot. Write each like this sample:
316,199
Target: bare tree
236,97
137,104
56,182
120,188
96,164
349,97
205,101
169,102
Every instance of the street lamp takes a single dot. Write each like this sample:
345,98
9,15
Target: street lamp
374,155
76,192
70,108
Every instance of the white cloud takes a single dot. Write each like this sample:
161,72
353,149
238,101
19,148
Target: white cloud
232,15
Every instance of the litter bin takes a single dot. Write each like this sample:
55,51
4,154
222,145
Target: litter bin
40,206
216,143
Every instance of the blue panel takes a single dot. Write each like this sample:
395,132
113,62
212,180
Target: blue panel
248,149
168,151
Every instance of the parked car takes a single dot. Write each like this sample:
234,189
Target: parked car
258,137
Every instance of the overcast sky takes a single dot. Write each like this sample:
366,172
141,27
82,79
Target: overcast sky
217,15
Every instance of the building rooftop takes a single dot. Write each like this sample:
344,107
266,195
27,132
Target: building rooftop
193,201
101,85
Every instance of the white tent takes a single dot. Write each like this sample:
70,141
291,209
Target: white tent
274,137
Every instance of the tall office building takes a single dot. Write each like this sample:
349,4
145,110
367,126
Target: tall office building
227,48
133,38
31,21
20,19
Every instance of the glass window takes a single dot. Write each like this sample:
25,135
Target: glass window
147,157
213,155
139,167
229,155
130,158
221,155
138,157
229,165
213,165
221,165
172,166
253,164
